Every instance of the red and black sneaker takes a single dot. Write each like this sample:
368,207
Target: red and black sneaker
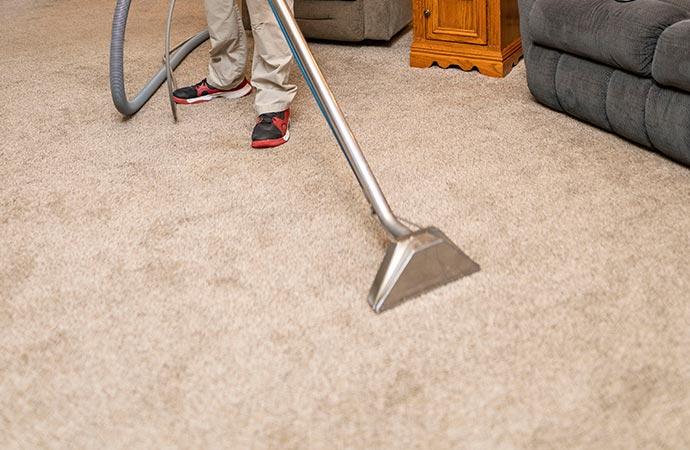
271,129
204,92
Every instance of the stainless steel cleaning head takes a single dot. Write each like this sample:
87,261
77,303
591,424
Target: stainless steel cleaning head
416,263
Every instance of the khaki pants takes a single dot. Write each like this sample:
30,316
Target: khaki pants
228,55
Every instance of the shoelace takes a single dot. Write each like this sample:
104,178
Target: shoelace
266,118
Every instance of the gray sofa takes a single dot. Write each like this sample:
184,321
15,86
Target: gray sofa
622,66
350,20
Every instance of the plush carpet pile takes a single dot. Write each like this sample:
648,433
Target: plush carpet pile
163,285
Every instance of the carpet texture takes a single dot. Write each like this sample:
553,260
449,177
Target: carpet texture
163,285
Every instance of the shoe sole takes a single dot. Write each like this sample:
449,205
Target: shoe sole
272,142
243,92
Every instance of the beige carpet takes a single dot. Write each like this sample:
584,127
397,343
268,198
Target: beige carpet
165,286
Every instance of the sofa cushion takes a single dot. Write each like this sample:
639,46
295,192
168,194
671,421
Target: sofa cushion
581,88
626,103
632,106
622,35
667,120
671,65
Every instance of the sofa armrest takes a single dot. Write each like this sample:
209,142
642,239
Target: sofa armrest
525,8
349,20
338,20
384,18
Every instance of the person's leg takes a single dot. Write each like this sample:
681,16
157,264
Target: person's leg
228,54
227,58
270,76
272,60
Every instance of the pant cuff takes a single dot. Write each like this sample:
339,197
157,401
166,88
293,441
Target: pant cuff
272,108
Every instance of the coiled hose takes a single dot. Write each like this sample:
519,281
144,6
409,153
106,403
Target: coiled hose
117,81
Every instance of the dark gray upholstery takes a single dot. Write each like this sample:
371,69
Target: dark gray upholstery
330,19
624,67
583,97
350,20
621,35
668,122
672,58
625,106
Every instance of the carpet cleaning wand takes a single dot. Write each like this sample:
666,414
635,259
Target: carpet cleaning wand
416,261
